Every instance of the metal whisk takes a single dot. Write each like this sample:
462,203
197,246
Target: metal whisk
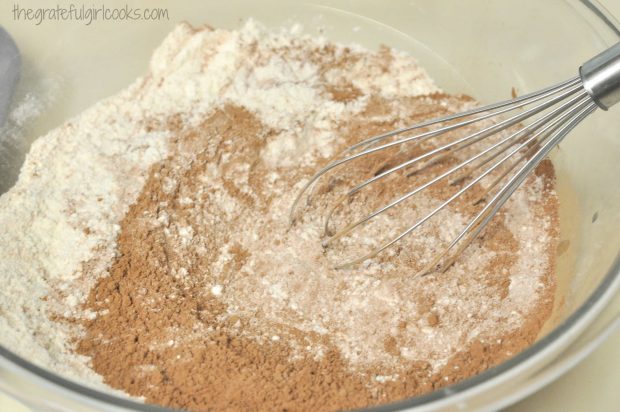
540,121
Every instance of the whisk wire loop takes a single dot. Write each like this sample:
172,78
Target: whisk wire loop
568,87
455,196
514,144
418,189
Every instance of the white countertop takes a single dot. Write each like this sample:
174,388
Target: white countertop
591,386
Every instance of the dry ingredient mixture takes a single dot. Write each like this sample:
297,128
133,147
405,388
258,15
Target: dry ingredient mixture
146,245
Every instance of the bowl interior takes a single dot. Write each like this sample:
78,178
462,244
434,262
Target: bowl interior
480,48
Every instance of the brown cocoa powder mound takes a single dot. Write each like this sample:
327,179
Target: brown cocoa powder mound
142,303
161,336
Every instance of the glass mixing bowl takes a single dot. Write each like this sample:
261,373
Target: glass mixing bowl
477,47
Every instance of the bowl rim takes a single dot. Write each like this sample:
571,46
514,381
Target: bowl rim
579,319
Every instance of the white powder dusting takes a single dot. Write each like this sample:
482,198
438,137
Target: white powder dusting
216,290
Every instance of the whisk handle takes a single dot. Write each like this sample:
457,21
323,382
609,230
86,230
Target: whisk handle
601,77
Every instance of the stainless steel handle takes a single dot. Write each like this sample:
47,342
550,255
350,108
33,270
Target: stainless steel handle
601,77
